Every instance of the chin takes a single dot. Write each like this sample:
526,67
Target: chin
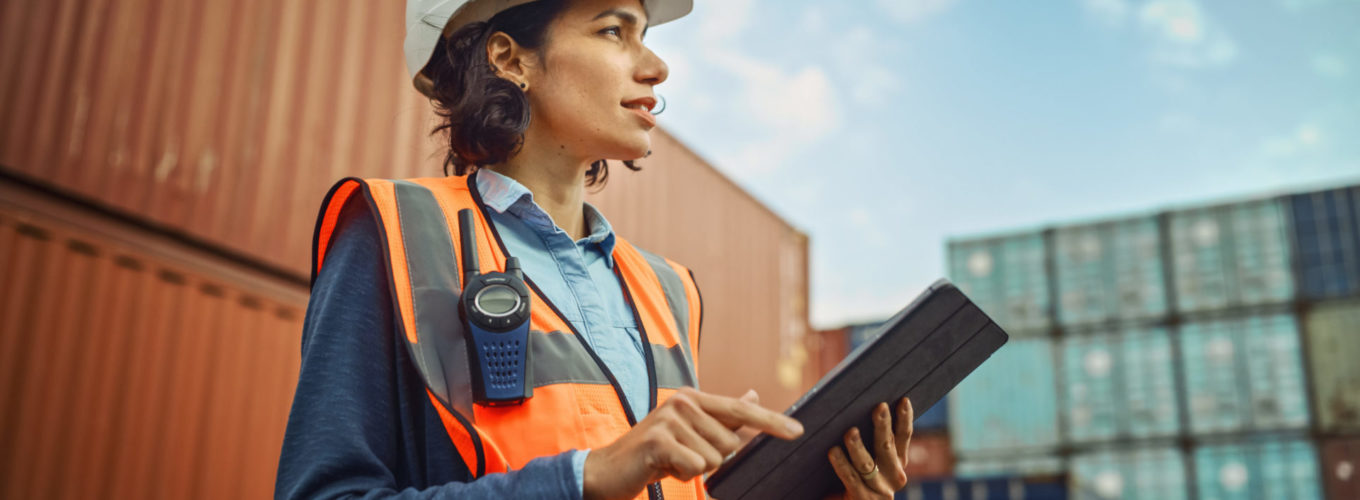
632,148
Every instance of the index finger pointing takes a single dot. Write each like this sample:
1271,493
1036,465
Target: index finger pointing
735,413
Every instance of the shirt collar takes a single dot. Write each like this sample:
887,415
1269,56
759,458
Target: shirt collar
506,195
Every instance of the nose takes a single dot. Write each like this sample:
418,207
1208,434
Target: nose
651,70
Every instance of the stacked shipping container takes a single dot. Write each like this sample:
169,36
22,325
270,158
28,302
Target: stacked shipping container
1207,352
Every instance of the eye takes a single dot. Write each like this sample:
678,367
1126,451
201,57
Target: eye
615,30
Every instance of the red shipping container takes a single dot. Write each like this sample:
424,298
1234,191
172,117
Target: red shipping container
929,457
1341,469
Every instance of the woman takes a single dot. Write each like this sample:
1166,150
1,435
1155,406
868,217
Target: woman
535,95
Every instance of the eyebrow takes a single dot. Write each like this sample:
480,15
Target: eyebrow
627,17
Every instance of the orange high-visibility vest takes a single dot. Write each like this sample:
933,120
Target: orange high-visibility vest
577,403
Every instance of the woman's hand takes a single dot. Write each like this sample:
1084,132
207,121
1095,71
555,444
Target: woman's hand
686,436
878,475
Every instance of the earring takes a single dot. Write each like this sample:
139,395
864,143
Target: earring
663,105
523,85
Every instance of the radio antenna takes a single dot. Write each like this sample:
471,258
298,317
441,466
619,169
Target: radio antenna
468,236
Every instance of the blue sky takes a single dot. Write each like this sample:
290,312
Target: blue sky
883,127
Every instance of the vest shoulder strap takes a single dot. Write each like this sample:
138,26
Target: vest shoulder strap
682,297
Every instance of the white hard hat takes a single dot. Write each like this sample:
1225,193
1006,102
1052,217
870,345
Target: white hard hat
426,21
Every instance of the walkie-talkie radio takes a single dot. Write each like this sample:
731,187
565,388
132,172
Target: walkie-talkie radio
495,308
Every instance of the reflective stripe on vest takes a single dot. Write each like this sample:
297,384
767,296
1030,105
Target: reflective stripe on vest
576,403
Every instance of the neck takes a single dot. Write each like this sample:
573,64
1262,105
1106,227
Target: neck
556,179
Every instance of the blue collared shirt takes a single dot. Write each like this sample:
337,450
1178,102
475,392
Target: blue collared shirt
577,277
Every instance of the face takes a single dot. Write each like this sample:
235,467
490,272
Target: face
590,88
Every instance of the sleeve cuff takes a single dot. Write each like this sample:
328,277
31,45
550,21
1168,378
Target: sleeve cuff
578,468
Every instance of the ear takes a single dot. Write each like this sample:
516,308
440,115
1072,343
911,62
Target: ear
508,59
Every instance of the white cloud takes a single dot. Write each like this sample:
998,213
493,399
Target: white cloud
912,11
1183,35
1303,139
1329,65
861,53
786,109
1112,12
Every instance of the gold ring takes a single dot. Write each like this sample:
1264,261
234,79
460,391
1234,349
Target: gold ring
869,475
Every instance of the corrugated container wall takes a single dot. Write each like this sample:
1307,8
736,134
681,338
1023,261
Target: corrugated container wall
1327,238
1258,468
1130,474
1109,271
1341,469
1119,385
1234,255
1015,464
988,417
1244,374
1007,277
224,120
129,370
1000,488
1333,335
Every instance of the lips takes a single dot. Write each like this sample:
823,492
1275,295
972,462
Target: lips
642,107
643,103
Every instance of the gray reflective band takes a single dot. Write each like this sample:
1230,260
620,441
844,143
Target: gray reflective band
674,289
434,293
673,369
559,358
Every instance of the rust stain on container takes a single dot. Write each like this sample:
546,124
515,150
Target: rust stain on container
124,360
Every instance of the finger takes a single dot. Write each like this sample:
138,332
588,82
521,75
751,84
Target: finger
691,439
734,412
858,454
680,461
904,429
719,436
885,450
751,396
854,486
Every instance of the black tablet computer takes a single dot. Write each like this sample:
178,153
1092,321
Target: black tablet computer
922,352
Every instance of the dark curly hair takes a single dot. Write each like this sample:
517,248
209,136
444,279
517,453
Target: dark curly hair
485,115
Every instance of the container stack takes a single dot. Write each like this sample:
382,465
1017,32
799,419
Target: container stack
1210,352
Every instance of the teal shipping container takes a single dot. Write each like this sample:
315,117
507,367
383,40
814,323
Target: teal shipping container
1109,271
1231,255
1258,469
1009,465
1130,474
1244,374
1007,278
1119,385
1009,403
1333,333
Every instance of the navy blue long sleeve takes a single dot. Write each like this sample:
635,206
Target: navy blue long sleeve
361,424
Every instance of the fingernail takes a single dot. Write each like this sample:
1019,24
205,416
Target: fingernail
795,427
